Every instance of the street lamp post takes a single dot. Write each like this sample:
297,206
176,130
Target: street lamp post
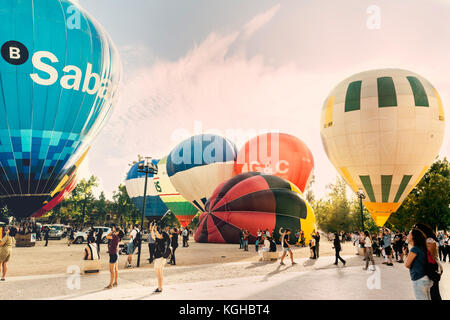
361,196
146,167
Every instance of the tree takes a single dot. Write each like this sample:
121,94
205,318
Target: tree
100,208
333,212
428,202
125,209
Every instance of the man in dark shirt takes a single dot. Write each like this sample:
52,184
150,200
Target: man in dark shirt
46,235
173,244
316,236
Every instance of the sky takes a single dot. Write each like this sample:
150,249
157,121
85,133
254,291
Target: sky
252,66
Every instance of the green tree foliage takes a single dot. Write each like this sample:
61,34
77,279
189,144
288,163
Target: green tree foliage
336,212
124,209
428,202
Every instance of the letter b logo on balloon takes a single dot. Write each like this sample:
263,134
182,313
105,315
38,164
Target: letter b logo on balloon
14,52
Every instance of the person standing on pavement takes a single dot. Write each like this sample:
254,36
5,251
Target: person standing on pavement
356,242
173,245
114,238
132,245
241,239
162,252
185,235
317,238
151,247
99,239
387,246
434,268
46,235
369,250
245,236
6,245
440,239
416,262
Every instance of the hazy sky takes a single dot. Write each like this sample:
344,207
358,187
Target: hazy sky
253,65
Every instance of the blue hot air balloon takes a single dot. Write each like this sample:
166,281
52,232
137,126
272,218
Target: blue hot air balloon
199,164
135,183
59,73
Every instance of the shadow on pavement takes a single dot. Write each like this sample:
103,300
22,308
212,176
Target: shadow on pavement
276,271
309,262
260,264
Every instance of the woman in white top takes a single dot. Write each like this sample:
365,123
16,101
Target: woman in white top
368,250
266,247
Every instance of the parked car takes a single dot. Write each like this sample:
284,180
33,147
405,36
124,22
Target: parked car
57,231
81,236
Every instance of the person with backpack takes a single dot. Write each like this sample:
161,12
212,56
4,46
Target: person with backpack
162,252
433,269
416,263
132,245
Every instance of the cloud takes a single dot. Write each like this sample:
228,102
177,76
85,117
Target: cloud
210,85
219,87
259,21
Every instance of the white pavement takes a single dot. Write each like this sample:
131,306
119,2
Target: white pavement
309,279
317,280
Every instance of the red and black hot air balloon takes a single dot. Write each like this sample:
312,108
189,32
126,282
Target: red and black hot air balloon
253,201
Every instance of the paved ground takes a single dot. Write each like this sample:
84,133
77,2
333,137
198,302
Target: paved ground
309,279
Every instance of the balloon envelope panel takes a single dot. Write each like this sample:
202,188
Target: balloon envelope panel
199,164
177,204
279,154
135,184
58,198
59,73
254,201
382,129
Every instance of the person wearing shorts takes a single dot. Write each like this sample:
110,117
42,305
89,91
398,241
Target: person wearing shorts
285,245
387,246
162,242
114,238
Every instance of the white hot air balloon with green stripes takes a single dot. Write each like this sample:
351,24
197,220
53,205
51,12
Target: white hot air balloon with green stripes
382,129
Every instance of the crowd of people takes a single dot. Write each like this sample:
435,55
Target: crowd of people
421,250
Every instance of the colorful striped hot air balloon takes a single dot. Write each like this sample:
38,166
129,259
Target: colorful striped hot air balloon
179,206
381,130
279,154
254,201
135,184
59,197
59,74
199,164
